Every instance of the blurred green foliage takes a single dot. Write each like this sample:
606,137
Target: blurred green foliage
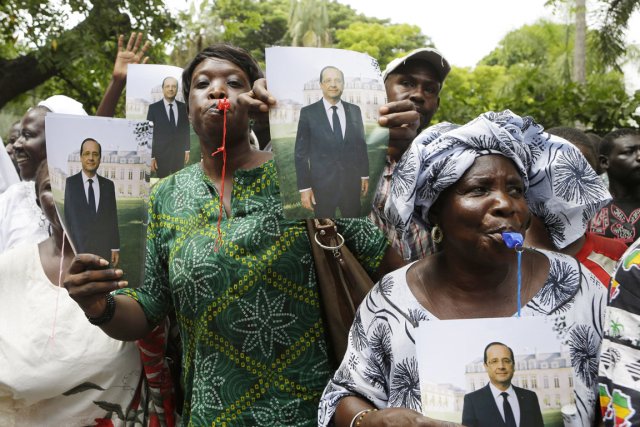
530,73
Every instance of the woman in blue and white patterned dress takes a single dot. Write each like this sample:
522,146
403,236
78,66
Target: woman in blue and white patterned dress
469,184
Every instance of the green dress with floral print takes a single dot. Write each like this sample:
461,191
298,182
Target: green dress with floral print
254,352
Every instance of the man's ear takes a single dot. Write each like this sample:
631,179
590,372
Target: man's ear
604,162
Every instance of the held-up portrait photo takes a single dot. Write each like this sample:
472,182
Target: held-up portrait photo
99,173
328,147
154,93
500,372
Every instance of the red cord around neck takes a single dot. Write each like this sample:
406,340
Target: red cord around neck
223,105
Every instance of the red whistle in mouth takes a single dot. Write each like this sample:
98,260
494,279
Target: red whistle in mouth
223,104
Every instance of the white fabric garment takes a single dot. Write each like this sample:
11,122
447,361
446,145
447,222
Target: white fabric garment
381,362
62,104
21,220
8,174
36,372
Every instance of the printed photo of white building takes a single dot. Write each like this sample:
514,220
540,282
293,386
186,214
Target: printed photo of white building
549,375
125,168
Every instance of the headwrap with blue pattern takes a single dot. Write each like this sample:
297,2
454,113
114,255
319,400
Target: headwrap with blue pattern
560,186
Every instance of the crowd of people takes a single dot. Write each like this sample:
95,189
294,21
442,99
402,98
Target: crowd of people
239,286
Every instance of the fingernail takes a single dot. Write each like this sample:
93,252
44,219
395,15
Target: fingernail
119,272
122,284
382,121
103,262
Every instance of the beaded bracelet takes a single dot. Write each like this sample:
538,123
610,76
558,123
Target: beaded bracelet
357,420
109,311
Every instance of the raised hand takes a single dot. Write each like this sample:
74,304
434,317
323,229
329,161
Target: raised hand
131,54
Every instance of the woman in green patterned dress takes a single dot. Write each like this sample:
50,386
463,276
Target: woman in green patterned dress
246,303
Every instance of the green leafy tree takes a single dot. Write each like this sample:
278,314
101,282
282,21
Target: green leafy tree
250,24
530,73
342,15
42,53
309,23
382,41
614,23
467,93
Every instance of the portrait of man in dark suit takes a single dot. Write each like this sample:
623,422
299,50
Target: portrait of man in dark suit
90,211
171,145
332,167
499,403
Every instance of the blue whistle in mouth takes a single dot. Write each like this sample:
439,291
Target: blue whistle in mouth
512,239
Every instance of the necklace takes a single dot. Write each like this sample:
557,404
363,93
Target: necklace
522,277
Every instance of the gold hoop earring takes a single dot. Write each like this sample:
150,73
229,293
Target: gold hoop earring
436,234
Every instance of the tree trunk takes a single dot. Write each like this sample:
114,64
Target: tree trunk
580,46
28,71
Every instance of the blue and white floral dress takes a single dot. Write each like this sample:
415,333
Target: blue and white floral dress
381,363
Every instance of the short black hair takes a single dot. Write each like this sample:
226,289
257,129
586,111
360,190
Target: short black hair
513,359
609,139
335,68
91,139
573,135
169,77
235,55
595,139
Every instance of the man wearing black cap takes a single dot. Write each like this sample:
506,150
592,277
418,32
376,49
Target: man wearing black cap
413,84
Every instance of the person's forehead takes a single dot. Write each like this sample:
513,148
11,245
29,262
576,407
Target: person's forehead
498,349
413,66
215,66
33,119
90,145
170,80
627,141
331,72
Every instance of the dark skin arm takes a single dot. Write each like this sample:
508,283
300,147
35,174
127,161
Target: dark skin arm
88,286
132,54
349,406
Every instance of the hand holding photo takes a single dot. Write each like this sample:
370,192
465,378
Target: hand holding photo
99,170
